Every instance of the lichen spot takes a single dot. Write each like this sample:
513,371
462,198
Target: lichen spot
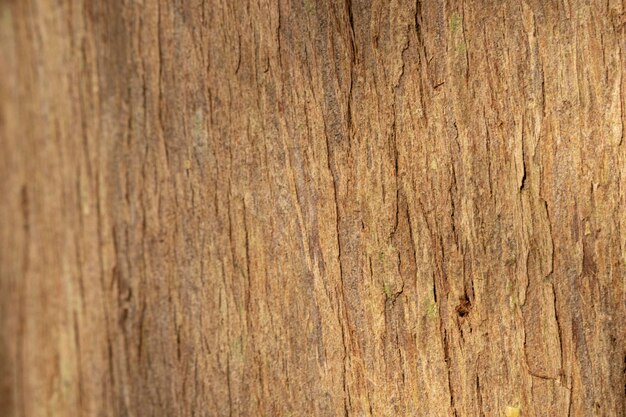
455,23
198,129
512,411
431,309
387,290
6,18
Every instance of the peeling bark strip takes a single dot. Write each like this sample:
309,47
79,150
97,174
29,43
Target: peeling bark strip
312,208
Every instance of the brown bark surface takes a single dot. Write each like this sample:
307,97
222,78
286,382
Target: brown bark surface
312,208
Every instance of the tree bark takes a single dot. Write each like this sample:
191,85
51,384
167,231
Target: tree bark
312,208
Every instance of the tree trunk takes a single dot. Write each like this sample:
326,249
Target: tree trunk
312,208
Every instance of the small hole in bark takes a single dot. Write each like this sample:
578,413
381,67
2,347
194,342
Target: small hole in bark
463,309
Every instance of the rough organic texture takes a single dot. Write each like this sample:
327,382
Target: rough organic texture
312,208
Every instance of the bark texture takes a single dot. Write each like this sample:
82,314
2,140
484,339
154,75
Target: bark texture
312,208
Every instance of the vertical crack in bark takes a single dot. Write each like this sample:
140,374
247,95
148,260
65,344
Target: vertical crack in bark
22,294
247,254
448,360
452,190
342,320
479,397
230,391
160,103
522,183
418,22
466,48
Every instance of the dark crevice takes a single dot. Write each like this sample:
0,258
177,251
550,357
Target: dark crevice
446,350
418,20
464,307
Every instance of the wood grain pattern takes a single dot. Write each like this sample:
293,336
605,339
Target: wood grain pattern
312,208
